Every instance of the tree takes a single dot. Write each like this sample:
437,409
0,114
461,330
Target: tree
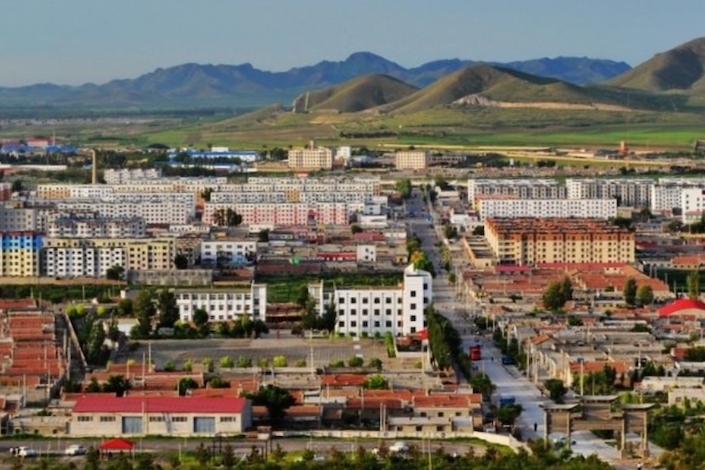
376,363
481,383
263,235
403,187
186,384
181,261
168,310
227,218
228,457
508,414
96,352
556,389
117,384
356,361
567,289
279,361
115,273
629,291
376,382
553,297
145,310
354,228
479,231
693,283
17,186
645,295
206,194
200,318
450,232
125,308
277,400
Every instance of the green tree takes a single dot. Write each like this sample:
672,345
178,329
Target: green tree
693,283
145,310
355,229
479,231
17,186
200,317
481,383
244,361
508,414
186,384
356,361
450,232
277,400
376,382
115,273
226,362
228,457
279,361
553,297
556,389
181,261
168,310
403,187
125,308
376,363
629,291
96,352
117,384
263,235
567,289
645,295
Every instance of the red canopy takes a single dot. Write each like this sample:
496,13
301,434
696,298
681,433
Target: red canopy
117,444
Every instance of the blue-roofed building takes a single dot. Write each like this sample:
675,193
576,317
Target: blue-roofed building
219,153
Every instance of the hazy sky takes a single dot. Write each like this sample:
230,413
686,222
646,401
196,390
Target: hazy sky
77,41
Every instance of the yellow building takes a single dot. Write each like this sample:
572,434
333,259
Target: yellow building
53,191
320,158
19,256
411,160
531,241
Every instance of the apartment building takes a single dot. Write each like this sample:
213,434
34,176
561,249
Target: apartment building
90,191
630,192
320,158
531,241
492,207
666,195
70,257
19,219
283,214
692,204
96,227
53,191
160,213
378,310
410,160
126,175
223,304
233,252
517,188
19,253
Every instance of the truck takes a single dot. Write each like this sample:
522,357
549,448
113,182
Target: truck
475,353
504,400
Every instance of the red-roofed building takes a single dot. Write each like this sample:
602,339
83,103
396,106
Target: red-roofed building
683,307
98,415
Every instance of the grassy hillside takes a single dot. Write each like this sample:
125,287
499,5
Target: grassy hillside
355,95
679,70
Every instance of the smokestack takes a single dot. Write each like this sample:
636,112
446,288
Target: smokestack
94,176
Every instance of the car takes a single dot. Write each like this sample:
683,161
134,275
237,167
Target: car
75,449
399,447
23,452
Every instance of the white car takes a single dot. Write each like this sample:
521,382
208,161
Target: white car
25,452
399,447
75,449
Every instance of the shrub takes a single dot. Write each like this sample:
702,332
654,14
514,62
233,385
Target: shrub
355,362
279,361
301,363
208,362
244,361
169,366
226,362
337,363
376,363
187,366
262,362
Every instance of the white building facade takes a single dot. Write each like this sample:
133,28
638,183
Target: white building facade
233,252
519,188
631,192
223,304
545,208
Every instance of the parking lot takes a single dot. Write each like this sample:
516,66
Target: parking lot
323,350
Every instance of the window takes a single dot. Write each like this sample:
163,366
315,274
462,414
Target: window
376,311
341,324
353,300
413,293
388,324
341,300
106,419
377,300
388,300
412,318
413,306
156,419
228,419
365,312
353,311
84,419
179,419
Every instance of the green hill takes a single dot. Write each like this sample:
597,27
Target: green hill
355,95
486,85
679,69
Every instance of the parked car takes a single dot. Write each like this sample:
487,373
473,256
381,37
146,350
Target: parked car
399,447
23,452
75,449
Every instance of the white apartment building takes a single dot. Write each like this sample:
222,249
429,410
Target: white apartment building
411,160
320,158
125,175
233,252
161,213
692,204
547,208
518,188
90,191
76,257
96,227
666,194
630,192
223,304
283,214
372,310
248,198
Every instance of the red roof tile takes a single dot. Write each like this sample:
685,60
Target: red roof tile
102,404
681,304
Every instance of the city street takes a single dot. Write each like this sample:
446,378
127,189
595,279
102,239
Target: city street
507,379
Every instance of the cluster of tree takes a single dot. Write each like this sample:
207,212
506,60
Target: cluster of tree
450,232
417,256
275,153
633,295
227,218
276,399
445,343
93,329
403,187
153,310
557,294
541,457
603,382
311,320
116,384
510,348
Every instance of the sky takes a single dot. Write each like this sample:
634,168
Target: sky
78,41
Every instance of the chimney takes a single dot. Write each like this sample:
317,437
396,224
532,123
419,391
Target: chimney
94,170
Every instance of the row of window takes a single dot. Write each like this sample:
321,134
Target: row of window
152,419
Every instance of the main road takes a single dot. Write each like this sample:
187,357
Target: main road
507,379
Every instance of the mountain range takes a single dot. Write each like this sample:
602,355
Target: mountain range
201,86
